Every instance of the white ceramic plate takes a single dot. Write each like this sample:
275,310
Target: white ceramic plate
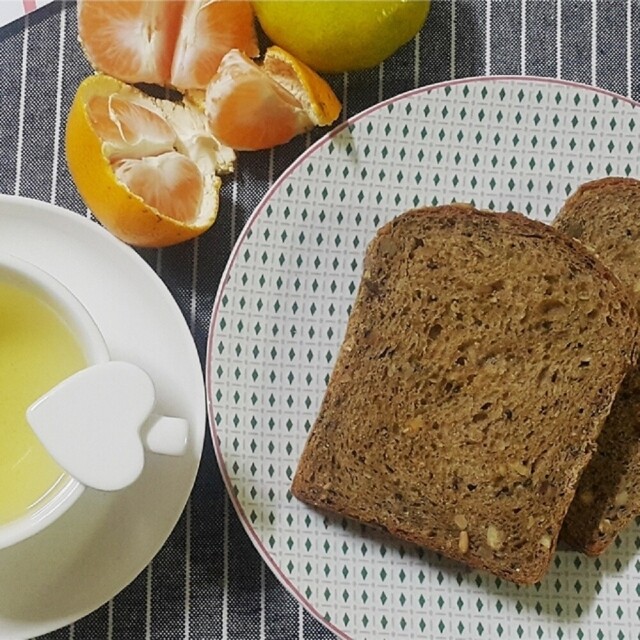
105,540
278,321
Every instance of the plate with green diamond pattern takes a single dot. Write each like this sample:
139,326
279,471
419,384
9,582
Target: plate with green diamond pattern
279,319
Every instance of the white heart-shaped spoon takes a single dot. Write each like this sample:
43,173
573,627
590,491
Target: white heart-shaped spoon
96,424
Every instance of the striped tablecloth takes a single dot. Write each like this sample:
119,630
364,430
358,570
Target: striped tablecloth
208,581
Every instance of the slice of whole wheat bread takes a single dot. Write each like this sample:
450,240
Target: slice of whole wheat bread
480,360
605,215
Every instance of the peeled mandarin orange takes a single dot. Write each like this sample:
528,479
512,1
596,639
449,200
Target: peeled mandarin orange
145,167
253,106
132,40
176,43
209,30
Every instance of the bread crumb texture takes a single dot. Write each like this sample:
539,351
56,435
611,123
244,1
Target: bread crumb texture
480,360
605,216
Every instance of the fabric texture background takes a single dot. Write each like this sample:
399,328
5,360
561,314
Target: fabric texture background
208,581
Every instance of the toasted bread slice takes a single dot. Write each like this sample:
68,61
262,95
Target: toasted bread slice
480,360
605,215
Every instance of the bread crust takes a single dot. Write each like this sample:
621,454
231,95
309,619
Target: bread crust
604,214
468,393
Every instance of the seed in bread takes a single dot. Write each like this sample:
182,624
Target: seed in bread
480,360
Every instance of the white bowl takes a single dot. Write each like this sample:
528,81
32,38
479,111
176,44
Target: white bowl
31,278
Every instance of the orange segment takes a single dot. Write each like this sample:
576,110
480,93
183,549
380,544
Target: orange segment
166,42
211,28
257,107
128,130
170,183
149,194
317,97
132,40
249,110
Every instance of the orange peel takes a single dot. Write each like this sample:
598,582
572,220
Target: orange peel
151,186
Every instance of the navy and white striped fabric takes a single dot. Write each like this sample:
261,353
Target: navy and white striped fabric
208,581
